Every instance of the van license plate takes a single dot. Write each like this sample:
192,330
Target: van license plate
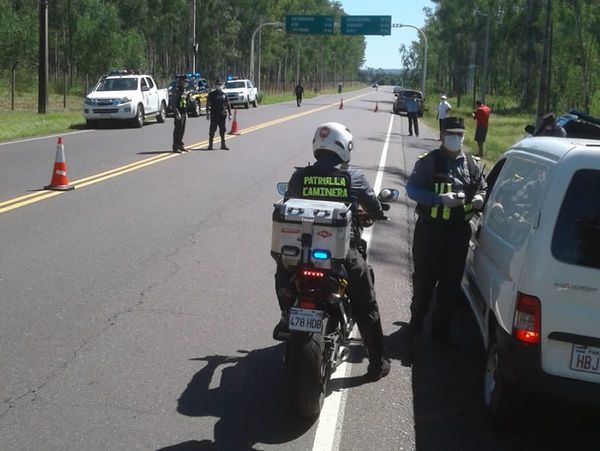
585,358
305,320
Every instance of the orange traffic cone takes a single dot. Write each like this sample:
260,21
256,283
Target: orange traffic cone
234,125
59,181
342,103
376,107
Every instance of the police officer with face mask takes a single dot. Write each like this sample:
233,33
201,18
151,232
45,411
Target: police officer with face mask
217,111
332,146
448,186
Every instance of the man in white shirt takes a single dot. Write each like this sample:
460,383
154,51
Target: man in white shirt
442,113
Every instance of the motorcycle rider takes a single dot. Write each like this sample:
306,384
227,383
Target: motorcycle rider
332,146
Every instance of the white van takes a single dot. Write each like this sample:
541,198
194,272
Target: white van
532,276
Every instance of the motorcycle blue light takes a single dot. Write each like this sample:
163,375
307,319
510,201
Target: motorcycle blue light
321,254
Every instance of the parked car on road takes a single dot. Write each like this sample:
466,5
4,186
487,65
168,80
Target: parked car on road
576,124
241,92
401,101
125,96
198,89
532,276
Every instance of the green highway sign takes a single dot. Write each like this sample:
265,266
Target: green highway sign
309,24
375,25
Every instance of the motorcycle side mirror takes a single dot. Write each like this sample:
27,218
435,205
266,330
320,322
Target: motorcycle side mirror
282,188
529,128
388,195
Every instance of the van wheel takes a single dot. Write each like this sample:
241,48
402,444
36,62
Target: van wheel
498,394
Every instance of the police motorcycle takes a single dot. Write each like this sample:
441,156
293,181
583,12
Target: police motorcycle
311,239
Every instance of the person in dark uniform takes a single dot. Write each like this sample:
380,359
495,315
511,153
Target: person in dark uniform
182,99
448,187
299,91
217,110
332,145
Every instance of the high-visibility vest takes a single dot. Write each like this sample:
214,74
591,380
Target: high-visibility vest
442,184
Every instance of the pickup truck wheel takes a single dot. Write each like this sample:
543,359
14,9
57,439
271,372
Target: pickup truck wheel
162,113
247,104
138,120
254,103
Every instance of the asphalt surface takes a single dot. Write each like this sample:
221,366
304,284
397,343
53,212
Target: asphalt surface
137,310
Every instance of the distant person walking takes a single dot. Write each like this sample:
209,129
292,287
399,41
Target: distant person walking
217,110
412,112
442,112
481,114
299,91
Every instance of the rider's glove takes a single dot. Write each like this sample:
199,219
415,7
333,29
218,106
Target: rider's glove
451,200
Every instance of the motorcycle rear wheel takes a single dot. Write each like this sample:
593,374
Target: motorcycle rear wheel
308,370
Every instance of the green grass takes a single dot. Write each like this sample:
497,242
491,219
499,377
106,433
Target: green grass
503,131
25,122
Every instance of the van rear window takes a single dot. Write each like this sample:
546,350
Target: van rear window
576,238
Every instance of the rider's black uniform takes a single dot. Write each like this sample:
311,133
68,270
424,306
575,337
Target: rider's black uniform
361,288
218,108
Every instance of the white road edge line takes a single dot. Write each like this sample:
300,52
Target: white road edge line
44,137
329,428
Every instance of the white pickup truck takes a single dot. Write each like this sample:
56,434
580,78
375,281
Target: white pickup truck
125,97
240,92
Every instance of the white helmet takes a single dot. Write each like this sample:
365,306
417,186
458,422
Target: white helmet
334,137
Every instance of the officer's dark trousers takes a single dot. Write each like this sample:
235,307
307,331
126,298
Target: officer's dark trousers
413,120
216,121
178,131
439,254
361,291
298,100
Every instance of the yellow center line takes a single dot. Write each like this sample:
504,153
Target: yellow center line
27,199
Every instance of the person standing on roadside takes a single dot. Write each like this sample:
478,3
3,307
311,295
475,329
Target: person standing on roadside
180,116
299,91
412,112
217,111
481,114
442,112
448,186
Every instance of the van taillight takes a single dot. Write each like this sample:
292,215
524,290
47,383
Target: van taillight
527,324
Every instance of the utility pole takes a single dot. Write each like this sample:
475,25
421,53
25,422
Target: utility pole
194,45
43,59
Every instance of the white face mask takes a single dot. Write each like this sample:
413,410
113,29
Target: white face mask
453,142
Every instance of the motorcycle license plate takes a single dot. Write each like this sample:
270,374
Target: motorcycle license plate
305,320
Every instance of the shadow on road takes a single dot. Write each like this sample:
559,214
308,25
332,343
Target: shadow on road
448,406
250,402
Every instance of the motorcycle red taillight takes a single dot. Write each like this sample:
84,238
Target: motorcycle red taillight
311,273
527,323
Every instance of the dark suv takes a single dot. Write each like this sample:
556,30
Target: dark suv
402,98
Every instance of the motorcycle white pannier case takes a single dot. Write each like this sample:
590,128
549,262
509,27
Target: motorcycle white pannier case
327,223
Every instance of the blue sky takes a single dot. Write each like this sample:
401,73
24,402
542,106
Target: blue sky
382,51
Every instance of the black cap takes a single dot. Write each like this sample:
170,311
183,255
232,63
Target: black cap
219,81
454,124
548,118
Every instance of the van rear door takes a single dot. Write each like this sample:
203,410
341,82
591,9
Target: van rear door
563,271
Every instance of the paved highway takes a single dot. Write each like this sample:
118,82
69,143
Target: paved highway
137,309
